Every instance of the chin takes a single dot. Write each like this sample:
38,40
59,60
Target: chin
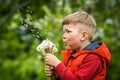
68,48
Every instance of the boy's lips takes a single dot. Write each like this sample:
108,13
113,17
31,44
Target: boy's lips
65,43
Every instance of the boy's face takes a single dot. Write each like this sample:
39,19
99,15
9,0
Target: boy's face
72,36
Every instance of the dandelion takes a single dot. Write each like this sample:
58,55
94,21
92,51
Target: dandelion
47,47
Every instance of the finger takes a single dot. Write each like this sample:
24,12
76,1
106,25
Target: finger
46,61
48,75
47,69
48,72
47,66
46,57
51,67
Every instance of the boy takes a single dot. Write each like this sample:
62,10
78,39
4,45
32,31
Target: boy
82,59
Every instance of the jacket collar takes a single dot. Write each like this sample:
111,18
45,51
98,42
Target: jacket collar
92,46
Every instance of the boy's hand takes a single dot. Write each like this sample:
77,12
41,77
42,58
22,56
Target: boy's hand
51,60
49,70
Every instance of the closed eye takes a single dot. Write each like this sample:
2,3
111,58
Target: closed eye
68,31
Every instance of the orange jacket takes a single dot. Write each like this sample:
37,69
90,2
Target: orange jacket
78,57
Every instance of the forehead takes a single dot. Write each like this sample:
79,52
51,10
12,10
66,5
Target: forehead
72,26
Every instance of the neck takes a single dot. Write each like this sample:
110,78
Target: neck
84,44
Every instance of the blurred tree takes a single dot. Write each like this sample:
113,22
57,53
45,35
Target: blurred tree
24,24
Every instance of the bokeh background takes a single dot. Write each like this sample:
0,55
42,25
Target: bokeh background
25,23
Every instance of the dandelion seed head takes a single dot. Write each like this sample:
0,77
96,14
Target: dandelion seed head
47,46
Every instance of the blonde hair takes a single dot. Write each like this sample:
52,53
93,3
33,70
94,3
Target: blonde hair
84,18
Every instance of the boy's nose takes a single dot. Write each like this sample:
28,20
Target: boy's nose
63,36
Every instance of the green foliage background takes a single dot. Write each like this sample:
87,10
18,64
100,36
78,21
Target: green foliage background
25,23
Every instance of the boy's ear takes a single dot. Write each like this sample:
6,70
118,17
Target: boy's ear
84,35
